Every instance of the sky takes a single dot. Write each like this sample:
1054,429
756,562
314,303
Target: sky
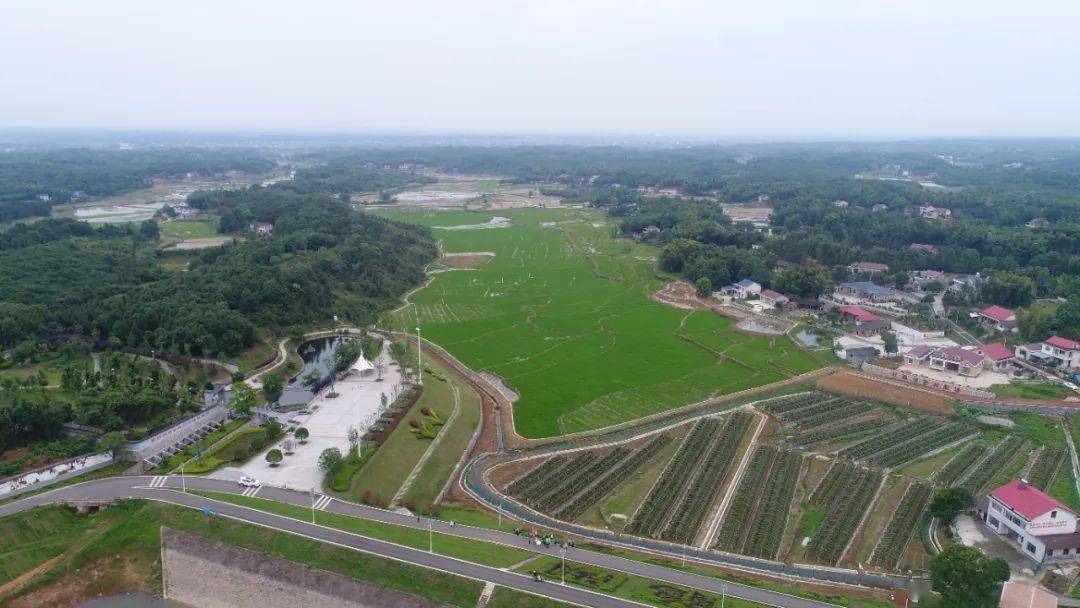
766,68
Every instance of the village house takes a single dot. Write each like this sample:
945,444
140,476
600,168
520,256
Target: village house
772,298
646,232
812,304
865,290
1015,594
864,323
1054,352
879,207
860,354
1038,222
1040,527
742,290
931,212
264,228
869,268
998,357
840,204
922,277
957,359
997,318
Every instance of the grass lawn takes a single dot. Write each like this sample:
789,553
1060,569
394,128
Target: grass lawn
1063,487
386,469
456,437
205,444
30,539
489,554
562,313
121,547
190,229
236,449
1044,430
251,358
51,364
1031,390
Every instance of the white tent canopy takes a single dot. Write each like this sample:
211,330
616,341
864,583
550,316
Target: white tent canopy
361,365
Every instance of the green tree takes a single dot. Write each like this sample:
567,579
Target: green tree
1010,289
273,430
949,502
274,457
891,343
703,286
966,578
111,442
802,281
243,399
330,460
273,385
301,434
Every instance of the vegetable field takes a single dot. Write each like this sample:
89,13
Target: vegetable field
998,460
901,528
754,523
845,494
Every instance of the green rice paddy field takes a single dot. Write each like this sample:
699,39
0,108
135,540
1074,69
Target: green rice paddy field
562,313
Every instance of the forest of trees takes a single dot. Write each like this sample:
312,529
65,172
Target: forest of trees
59,174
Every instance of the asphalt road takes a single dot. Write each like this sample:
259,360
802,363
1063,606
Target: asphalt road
139,487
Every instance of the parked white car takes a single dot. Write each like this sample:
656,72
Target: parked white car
249,482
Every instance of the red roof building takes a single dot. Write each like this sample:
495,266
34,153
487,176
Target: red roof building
1038,526
1063,343
998,318
1027,500
858,315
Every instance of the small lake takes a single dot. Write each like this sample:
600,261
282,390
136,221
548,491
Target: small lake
132,600
318,356
807,339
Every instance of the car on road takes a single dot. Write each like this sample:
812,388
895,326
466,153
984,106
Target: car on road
249,482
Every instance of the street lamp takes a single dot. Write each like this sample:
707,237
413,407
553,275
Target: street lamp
430,538
419,366
312,505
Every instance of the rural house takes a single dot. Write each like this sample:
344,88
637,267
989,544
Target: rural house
742,290
772,298
1040,527
865,290
864,323
1055,352
998,357
997,318
931,212
867,268
1015,594
963,361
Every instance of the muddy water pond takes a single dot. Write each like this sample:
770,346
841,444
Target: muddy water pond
132,600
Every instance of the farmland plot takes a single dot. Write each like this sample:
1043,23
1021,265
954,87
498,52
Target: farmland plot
998,460
901,528
961,464
612,478
838,433
755,521
888,438
1046,467
845,494
562,314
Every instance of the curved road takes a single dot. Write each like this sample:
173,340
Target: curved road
167,491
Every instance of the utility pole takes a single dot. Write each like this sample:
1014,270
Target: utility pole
419,366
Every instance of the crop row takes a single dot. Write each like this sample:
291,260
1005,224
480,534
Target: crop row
754,524
849,410
924,444
995,463
960,463
539,475
570,468
837,433
794,402
688,517
887,438
1046,467
616,475
844,512
652,514
581,479
897,535
817,408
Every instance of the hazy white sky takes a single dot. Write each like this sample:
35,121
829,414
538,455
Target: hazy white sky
760,67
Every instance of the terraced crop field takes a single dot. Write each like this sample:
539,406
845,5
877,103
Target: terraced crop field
561,312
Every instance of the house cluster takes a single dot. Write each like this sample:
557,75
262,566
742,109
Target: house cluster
1057,352
869,268
866,290
969,361
1038,526
931,212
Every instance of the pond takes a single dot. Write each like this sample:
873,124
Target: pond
807,339
318,356
131,600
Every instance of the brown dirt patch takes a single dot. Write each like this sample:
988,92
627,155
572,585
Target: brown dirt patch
108,576
849,383
681,295
464,261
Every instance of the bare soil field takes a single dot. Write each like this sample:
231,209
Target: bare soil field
465,260
849,383
681,295
747,213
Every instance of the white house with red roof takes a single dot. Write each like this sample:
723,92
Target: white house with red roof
997,318
998,357
1042,528
1054,352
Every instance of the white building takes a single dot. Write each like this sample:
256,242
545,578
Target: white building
742,290
1041,528
1055,352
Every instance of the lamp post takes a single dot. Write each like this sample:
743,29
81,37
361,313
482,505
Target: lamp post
723,594
183,480
430,538
562,555
312,505
419,365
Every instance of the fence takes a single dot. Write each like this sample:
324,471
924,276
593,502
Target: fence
925,381
50,474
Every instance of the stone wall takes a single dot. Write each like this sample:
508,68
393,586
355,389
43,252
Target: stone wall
209,574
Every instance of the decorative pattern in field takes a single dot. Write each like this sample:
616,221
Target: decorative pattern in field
676,506
845,494
1046,467
960,464
994,464
755,521
562,314
901,528
565,486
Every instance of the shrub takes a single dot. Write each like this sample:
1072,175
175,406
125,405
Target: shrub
274,457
